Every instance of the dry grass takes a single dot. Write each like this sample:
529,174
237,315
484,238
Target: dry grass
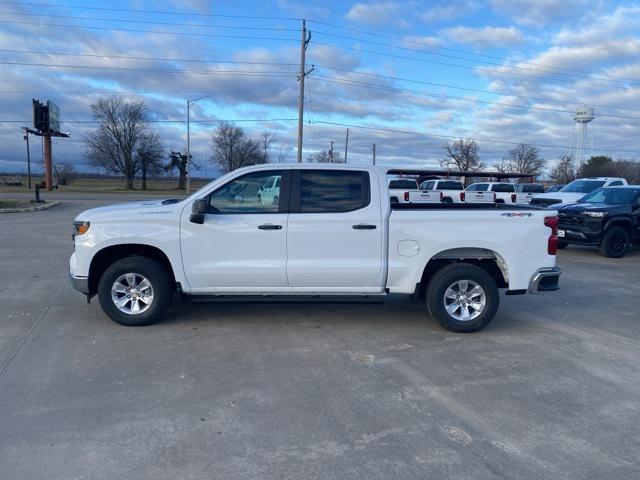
162,186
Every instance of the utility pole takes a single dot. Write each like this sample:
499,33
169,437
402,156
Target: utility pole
26,137
374,153
48,177
303,49
331,152
346,146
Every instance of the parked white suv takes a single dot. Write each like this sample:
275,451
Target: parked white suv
504,192
574,191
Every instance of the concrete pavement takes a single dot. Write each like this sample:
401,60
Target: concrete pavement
551,389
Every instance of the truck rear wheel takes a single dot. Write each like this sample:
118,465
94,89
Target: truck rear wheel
462,297
135,291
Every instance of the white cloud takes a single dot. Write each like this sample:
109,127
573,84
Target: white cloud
485,37
542,12
448,12
375,13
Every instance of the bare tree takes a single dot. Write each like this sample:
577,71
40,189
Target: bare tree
178,161
462,155
113,145
266,139
324,156
64,173
524,159
149,156
564,171
232,148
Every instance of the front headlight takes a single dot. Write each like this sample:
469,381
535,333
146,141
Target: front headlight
80,228
595,214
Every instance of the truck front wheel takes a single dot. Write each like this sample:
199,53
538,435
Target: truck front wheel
462,297
135,291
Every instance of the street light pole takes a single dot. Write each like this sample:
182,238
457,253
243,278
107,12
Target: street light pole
189,103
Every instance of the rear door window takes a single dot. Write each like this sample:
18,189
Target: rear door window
332,191
478,187
450,185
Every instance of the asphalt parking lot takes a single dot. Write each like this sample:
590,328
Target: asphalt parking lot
551,389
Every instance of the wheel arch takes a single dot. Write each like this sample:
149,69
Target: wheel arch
108,255
623,222
489,260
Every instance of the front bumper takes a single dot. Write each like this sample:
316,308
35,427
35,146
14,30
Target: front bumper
81,284
545,280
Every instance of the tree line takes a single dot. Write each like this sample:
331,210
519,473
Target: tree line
464,155
124,144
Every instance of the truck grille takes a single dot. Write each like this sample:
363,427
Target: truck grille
544,202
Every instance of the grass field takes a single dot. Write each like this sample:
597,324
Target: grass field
13,204
160,186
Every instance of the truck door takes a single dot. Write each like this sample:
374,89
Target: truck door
335,232
241,246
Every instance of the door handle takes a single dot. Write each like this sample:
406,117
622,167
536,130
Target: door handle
363,226
269,226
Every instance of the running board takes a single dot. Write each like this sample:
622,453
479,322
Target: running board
280,298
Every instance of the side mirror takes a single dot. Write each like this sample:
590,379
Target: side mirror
199,208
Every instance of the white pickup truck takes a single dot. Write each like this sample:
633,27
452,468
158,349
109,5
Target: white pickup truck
333,233
405,190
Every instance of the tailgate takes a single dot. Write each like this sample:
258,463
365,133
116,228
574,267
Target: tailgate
479,197
425,196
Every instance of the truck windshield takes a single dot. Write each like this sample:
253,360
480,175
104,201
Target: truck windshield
582,186
403,185
614,196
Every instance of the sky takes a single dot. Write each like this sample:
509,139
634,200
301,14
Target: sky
408,76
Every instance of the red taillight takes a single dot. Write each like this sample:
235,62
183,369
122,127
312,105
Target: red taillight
441,197
494,197
513,198
462,196
552,245
406,196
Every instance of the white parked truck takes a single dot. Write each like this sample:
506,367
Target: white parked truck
332,233
405,190
453,192
503,192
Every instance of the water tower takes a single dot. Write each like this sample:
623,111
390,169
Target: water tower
581,139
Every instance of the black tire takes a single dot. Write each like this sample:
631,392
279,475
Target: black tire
158,277
615,242
448,276
562,245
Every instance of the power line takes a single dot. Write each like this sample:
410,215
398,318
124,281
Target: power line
159,12
440,47
149,22
490,140
333,80
160,32
163,59
157,70
435,62
140,92
468,89
234,120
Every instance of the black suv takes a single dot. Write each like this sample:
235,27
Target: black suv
608,218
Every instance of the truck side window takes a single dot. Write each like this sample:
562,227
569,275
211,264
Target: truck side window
615,183
324,191
251,193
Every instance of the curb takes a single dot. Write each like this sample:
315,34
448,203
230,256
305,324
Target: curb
37,208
